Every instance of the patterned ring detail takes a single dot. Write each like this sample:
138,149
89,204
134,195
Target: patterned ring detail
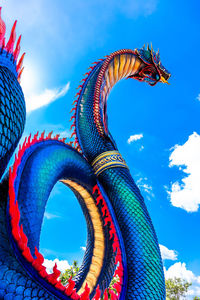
106,160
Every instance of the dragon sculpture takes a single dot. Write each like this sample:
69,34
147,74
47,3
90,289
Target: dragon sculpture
121,239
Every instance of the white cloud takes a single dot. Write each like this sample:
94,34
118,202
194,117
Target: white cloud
134,138
168,254
49,95
64,134
50,216
145,187
62,265
185,193
83,248
179,270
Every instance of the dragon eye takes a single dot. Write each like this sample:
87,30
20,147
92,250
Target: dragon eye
147,72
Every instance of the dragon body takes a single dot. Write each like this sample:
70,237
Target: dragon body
121,239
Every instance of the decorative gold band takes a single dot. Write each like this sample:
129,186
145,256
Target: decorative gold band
106,160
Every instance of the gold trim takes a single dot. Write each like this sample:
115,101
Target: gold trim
106,160
99,239
104,154
110,165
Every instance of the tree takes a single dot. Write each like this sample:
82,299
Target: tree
71,272
196,298
175,288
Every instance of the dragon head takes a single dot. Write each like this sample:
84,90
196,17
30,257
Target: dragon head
152,70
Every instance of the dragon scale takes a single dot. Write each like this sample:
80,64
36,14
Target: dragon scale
121,240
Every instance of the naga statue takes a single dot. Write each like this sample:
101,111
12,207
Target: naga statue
121,240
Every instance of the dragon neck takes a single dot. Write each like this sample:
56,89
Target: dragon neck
117,66
91,129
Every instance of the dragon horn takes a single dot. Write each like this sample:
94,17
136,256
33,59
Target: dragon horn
151,48
20,74
19,65
12,38
17,48
158,54
148,47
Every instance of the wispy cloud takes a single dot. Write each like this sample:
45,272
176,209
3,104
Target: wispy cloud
167,253
48,96
62,265
134,138
50,216
145,187
133,9
48,252
185,192
198,97
56,128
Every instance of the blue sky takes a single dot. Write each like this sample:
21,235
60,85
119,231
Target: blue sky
156,128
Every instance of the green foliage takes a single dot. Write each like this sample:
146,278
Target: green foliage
71,272
176,288
113,281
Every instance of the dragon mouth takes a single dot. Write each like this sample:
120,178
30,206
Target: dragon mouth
164,77
104,231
